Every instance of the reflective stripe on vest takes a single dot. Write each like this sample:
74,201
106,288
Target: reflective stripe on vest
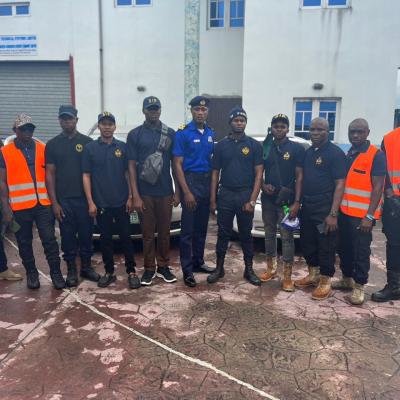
23,192
358,186
392,150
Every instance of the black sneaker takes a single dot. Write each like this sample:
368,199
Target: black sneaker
166,274
133,281
106,280
147,277
189,280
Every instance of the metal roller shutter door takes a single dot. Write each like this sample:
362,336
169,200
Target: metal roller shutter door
36,88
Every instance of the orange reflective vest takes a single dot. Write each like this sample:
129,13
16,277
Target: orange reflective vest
392,148
23,192
358,186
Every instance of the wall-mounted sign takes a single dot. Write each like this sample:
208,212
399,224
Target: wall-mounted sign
18,45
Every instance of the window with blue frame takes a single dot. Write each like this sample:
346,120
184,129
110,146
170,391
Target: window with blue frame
236,13
337,3
123,3
11,9
303,116
325,3
143,2
217,13
308,109
312,3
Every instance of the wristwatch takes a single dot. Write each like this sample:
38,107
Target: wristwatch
370,217
252,203
333,214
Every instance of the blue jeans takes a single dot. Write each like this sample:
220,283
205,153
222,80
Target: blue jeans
76,229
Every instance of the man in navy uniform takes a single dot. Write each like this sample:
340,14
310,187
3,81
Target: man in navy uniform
238,167
192,152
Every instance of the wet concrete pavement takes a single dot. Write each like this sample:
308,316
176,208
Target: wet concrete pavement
226,341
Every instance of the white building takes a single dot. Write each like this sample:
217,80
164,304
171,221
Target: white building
335,58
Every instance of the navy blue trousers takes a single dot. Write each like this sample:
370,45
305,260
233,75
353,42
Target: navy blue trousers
194,223
76,229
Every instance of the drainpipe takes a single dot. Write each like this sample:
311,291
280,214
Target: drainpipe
101,55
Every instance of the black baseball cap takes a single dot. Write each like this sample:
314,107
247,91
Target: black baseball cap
106,115
67,109
280,117
151,102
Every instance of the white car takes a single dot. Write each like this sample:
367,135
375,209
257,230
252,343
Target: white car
258,224
136,233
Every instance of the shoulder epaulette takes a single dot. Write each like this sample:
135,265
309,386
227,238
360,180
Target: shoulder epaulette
182,127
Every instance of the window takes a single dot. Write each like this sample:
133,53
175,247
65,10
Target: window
325,3
307,109
224,13
130,3
9,10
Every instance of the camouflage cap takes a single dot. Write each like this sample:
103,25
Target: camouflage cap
23,119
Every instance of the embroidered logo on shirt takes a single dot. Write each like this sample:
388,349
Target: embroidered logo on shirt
196,140
118,153
78,147
245,150
318,161
286,156
210,139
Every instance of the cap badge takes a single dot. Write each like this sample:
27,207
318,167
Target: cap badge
245,151
202,102
118,153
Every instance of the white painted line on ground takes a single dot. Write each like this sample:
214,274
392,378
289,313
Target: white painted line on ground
192,360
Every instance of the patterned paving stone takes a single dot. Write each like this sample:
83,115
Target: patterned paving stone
290,360
328,359
295,340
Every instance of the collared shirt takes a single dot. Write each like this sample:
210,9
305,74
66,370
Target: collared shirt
195,147
322,167
280,166
29,152
378,165
107,165
142,142
237,158
65,152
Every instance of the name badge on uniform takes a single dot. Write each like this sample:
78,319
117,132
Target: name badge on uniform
210,139
318,161
286,156
196,140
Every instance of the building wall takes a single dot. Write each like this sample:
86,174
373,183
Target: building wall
353,52
221,58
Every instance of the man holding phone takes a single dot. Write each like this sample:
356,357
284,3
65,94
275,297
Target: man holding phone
323,186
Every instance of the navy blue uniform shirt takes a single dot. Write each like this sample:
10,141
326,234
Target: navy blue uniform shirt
322,167
107,164
195,147
237,158
378,165
29,152
287,155
142,142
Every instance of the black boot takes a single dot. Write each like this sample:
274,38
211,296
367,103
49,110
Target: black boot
32,279
219,271
56,277
72,275
391,291
88,272
249,274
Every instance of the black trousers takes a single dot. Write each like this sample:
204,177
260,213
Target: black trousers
3,257
76,229
43,217
107,220
229,205
391,229
318,249
354,249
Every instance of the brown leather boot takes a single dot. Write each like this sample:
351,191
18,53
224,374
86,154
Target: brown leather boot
272,265
323,290
287,283
311,279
